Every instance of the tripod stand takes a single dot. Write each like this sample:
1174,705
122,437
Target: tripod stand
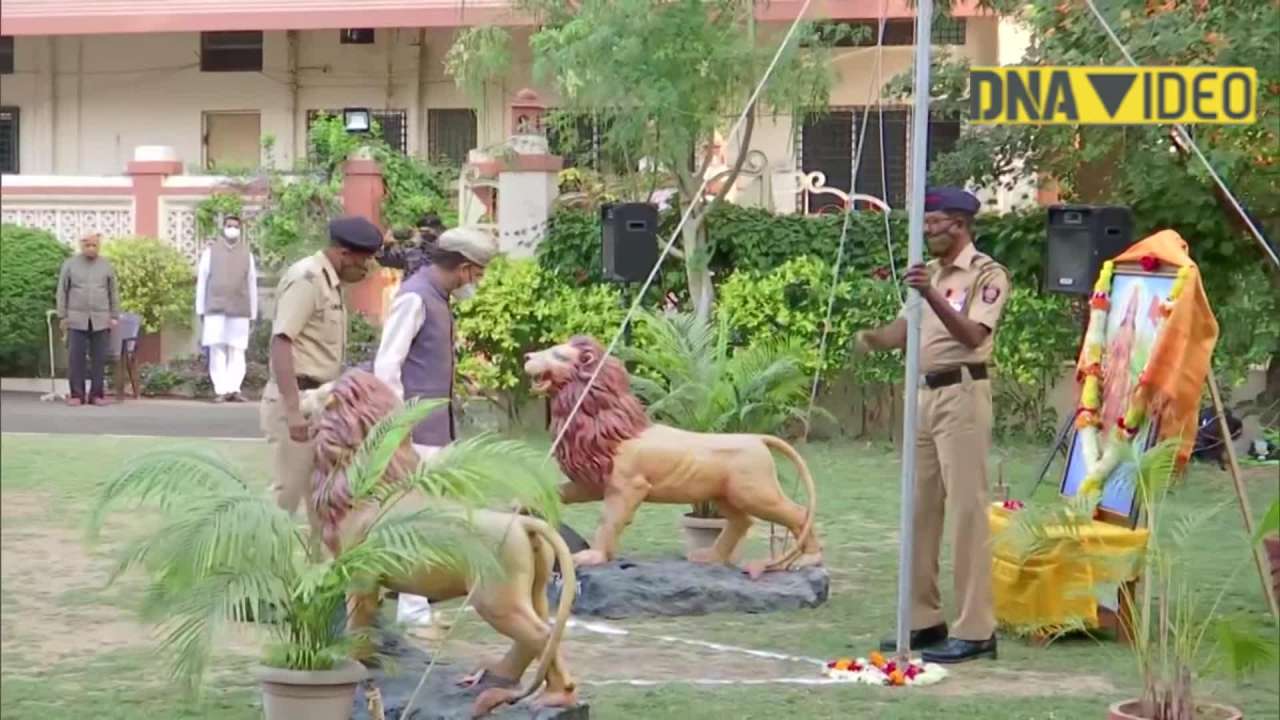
1060,445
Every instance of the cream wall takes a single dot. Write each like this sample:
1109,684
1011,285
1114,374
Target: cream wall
87,101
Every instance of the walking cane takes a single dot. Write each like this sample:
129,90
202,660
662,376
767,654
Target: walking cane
53,395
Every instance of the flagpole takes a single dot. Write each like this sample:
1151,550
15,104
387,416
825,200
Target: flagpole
915,255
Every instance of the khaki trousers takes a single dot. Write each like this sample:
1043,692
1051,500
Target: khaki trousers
952,441
292,462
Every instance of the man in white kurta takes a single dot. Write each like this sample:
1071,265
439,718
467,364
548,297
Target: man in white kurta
227,302
416,354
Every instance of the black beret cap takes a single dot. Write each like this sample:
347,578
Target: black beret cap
355,233
950,199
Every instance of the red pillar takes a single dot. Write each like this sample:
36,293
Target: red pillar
148,178
362,193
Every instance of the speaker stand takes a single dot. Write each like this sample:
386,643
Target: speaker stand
1059,446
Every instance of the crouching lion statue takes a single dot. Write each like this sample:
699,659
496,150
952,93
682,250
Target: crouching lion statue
611,452
513,602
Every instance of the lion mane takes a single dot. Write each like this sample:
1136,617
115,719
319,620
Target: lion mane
357,402
609,416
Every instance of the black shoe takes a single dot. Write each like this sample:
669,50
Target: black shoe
922,638
957,651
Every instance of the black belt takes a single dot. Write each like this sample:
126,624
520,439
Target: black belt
954,376
308,383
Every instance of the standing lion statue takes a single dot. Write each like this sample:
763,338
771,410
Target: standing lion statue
513,602
611,452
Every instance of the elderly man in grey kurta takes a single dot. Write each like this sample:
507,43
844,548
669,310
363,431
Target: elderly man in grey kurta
416,355
88,305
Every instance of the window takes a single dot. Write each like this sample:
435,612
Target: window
236,51
897,32
393,125
8,140
828,144
451,134
6,54
356,36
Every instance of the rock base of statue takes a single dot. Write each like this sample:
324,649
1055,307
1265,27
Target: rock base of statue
671,588
440,698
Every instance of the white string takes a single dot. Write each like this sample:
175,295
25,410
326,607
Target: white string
1190,141
684,218
635,305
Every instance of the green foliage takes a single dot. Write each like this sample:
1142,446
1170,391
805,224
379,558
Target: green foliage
211,211
362,339
30,262
222,551
791,301
157,282
1038,335
158,380
413,188
520,307
479,56
294,219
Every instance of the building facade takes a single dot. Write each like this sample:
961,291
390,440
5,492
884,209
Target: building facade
84,84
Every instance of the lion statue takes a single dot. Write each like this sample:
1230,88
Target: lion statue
611,452
513,602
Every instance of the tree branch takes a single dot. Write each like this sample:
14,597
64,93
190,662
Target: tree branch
744,149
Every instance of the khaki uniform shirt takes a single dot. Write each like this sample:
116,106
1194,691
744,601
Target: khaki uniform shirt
88,293
311,313
975,285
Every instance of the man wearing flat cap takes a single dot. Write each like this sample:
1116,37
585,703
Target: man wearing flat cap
416,355
964,293
308,340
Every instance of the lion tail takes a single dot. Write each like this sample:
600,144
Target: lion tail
568,591
811,508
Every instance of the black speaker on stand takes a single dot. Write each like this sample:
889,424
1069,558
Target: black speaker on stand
628,245
1078,239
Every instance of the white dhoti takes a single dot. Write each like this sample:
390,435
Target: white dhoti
415,609
227,339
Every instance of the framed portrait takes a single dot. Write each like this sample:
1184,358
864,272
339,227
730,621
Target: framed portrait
1134,324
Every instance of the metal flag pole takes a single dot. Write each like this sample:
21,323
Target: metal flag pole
915,254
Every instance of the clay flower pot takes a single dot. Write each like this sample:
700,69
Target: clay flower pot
700,533
1130,709
310,694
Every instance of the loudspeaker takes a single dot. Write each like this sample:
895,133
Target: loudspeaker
628,241
1079,239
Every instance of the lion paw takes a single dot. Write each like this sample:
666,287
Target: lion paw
557,699
706,556
756,569
492,699
586,558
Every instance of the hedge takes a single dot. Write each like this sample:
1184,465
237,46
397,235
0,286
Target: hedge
30,263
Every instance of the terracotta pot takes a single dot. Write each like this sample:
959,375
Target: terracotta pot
310,694
1272,544
1128,710
700,533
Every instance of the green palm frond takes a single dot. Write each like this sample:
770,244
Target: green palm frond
427,538
485,472
1246,647
382,443
165,478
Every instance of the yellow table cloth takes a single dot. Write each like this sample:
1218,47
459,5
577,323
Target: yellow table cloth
1055,588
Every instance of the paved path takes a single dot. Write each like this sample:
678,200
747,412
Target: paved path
23,412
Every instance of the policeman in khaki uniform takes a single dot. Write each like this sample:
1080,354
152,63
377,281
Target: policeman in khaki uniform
965,292
308,340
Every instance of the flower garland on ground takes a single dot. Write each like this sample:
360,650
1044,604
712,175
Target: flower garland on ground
876,670
1088,417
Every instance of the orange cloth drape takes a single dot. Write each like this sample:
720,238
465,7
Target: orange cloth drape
1180,361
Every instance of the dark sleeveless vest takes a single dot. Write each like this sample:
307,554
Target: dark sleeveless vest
429,367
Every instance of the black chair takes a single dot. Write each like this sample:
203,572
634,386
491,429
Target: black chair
124,354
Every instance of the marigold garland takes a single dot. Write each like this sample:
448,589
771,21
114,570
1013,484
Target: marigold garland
1100,463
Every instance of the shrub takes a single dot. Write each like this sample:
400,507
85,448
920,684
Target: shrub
157,282
521,307
30,261
1038,336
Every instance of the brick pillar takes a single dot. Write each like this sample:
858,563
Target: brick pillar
362,193
149,168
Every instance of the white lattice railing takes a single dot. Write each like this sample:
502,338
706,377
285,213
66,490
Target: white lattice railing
71,218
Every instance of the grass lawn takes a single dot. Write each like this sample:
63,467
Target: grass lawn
72,648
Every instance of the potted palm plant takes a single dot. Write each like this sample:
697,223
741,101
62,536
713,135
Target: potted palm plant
689,376
223,552
1173,620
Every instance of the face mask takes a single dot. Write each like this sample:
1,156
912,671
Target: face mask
231,233
466,292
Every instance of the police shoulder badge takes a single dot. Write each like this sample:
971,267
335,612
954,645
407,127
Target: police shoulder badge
990,294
